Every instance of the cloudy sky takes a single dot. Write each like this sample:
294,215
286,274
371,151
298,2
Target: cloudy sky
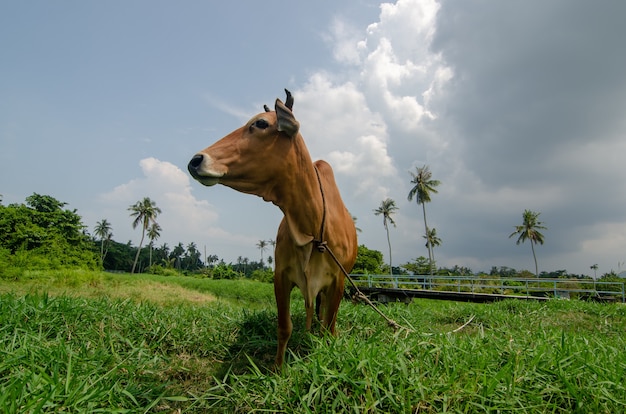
514,105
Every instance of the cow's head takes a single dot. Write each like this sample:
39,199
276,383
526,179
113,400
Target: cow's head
252,157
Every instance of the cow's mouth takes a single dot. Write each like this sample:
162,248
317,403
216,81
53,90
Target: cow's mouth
197,171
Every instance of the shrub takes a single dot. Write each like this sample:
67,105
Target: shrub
265,275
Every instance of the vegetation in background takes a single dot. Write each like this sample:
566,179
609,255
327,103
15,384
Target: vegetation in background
387,208
529,230
103,231
368,261
144,213
41,234
423,187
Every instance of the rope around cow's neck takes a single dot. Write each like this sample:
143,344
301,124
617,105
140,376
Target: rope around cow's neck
322,246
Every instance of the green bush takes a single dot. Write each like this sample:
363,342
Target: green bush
162,271
265,275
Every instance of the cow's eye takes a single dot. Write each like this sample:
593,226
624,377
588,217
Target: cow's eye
261,123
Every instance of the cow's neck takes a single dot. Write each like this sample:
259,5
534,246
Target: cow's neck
299,197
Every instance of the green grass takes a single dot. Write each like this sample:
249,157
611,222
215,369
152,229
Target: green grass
95,342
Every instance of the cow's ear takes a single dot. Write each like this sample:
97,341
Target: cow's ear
287,123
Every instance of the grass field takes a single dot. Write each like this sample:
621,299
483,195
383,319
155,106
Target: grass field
76,341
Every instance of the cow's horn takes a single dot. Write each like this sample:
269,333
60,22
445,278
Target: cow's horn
289,101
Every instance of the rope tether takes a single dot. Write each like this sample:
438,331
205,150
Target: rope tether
322,246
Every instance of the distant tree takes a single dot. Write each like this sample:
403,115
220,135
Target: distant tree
595,270
355,226
162,254
45,235
503,271
210,259
431,242
144,213
177,255
154,232
419,266
456,271
262,246
386,209
424,185
103,231
529,230
193,261
368,261
44,203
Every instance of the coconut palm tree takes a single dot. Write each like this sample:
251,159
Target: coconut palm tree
529,230
154,232
262,245
432,240
144,212
103,231
386,209
424,186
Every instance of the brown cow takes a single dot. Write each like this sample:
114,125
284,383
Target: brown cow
267,157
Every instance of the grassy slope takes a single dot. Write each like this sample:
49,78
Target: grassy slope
88,341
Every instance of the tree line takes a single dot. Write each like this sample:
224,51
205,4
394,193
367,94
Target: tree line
43,234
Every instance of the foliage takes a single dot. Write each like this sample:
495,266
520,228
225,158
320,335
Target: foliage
387,208
42,234
419,266
144,213
103,231
423,186
223,271
263,275
368,261
529,230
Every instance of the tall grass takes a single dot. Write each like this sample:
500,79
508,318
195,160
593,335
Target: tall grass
66,348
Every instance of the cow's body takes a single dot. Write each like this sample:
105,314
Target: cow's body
267,157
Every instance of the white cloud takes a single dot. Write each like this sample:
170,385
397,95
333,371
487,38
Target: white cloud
346,42
184,218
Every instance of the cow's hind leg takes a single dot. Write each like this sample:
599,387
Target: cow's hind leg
282,291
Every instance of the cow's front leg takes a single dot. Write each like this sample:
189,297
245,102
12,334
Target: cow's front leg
310,311
282,291
333,300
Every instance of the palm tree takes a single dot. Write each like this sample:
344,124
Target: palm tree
270,260
177,254
210,259
103,230
193,256
144,212
163,254
433,240
262,245
595,270
424,186
154,232
529,230
387,208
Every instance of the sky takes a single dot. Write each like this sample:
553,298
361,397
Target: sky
513,105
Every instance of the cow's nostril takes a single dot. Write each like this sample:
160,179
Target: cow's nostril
195,161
